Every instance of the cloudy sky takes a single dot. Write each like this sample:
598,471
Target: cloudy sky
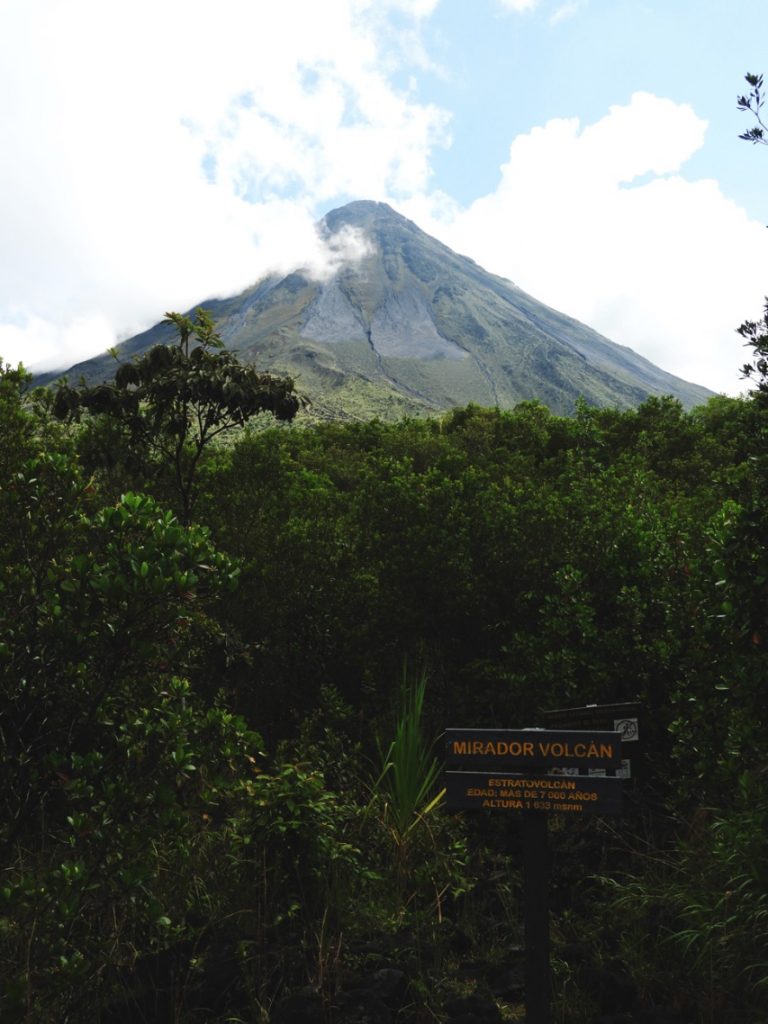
158,153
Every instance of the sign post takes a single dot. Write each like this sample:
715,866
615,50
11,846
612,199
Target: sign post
523,771
538,982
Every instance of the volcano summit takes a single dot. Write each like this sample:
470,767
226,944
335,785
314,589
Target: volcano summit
413,327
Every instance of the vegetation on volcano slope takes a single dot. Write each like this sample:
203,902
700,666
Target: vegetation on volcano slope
197,824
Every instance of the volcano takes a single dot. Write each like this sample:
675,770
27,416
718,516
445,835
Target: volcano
413,328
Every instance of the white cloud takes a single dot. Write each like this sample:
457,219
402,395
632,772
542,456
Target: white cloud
562,13
599,222
566,11
156,153
519,5
57,344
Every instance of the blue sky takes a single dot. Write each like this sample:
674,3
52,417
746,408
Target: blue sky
162,152
508,72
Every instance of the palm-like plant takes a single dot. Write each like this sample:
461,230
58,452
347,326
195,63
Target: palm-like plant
408,778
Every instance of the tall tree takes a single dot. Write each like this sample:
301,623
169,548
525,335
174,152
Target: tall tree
170,403
756,331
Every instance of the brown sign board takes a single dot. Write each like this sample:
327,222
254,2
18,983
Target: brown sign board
623,718
572,795
504,750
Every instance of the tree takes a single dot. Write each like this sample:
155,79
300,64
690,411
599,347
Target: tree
139,834
756,334
739,555
171,402
754,103
16,422
756,331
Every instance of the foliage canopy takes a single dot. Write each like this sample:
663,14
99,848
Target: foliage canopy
171,402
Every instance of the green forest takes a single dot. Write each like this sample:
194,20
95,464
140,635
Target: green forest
232,638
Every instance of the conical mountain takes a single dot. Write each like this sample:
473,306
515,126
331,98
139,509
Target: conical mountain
413,327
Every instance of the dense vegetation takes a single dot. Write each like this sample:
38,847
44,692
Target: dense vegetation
221,673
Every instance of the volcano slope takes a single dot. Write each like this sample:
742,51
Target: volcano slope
412,327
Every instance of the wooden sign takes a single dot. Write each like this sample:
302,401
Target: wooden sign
536,772
504,750
573,795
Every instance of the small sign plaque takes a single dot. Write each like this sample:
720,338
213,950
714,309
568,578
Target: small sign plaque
622,718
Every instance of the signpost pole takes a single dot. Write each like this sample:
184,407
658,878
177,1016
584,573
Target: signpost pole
536,913
530,771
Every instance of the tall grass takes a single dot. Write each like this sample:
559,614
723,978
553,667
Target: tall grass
409,770
699,911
